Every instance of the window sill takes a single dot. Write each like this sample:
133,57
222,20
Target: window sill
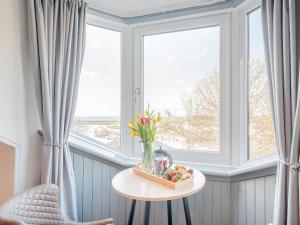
100,151
227,173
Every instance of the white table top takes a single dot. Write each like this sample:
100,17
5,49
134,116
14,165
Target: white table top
133,186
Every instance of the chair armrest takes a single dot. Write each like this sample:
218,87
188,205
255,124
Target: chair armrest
100,222
6,221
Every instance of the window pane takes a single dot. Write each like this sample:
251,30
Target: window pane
261,133
98,107
181,81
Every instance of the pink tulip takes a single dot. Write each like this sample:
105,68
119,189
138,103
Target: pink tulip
147,120
143,120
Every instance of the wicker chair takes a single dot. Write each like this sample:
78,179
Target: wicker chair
38,206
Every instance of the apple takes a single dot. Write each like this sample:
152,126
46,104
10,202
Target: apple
172,173
174,179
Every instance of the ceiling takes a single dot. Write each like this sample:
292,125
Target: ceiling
135,8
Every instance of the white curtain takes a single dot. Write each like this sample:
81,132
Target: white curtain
57,40
281,21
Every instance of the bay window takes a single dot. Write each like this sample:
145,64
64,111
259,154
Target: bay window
210,87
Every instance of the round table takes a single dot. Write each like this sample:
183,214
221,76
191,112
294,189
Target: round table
135,187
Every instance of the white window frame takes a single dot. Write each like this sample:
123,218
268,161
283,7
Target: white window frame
244,10
233,81
125,84
223,20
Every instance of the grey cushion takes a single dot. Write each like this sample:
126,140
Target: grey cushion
37,206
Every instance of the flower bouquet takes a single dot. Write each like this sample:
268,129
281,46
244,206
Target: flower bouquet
145,128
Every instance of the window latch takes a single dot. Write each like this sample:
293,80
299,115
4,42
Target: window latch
136,93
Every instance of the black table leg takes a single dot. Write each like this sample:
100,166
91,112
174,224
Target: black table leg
187,211
169,212
130,219
147,213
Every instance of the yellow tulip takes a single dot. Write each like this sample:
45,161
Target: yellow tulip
138,116
133,133
131,125
147,113
158,118
153,120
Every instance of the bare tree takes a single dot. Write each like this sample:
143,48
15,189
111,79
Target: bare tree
259,97
261,131
200,126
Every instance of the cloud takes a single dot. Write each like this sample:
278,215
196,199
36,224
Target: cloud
96,44
177,82
88,74
203,51
195,57
170,59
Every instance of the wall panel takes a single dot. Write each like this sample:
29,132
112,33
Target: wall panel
252,201
244,202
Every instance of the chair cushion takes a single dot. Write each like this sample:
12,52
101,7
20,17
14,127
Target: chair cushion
38,206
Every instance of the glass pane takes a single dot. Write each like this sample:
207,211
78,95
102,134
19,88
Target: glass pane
261,133
98,107
181,81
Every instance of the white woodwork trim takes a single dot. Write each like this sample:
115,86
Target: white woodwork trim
84,146
136,9
17,165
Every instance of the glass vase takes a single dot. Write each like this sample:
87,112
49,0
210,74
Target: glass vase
147,157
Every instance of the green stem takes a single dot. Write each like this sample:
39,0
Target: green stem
147,157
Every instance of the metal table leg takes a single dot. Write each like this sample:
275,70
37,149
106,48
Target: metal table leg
130,219
169,212
187,211
147,213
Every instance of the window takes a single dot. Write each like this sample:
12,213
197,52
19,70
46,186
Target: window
261,139
184,70
97,113
182,82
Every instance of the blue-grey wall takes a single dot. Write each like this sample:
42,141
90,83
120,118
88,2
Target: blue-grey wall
243,202
252,201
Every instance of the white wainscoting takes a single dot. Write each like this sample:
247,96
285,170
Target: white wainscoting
219,203
252,201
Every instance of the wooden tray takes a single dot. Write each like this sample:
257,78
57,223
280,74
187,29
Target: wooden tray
137,170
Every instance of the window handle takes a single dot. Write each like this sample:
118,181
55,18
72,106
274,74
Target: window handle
137,92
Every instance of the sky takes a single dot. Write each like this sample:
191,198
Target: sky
256,41
173,63
99,87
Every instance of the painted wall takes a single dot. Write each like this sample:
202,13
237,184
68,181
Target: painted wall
18,116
